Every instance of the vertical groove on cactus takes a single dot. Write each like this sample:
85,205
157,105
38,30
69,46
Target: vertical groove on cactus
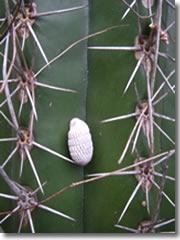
111,64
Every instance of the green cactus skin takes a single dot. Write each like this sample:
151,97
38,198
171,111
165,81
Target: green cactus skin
99,77
108,75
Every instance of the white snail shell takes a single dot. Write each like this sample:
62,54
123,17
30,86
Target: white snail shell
80,142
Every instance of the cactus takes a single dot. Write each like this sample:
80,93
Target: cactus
96,79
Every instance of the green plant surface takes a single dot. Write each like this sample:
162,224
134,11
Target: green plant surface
109,72
169,109
108,75
99,77
55,110
5,131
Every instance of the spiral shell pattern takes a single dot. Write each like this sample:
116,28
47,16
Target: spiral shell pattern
80,142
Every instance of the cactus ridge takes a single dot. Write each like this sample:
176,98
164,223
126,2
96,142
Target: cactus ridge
45,85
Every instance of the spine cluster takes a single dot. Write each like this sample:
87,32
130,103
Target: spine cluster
19,83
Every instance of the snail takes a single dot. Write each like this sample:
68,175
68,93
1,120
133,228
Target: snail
80,142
